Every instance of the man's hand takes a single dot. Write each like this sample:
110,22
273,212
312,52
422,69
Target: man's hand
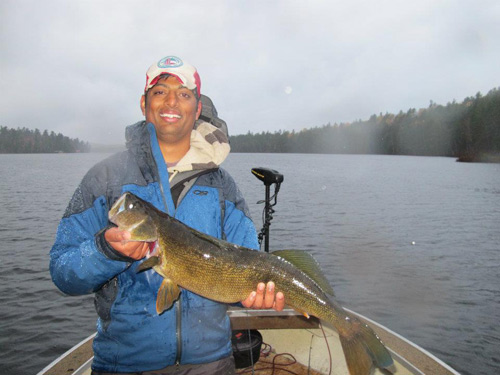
264,298
120,241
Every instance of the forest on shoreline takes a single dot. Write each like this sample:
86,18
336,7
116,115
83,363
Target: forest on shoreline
469,131
27,141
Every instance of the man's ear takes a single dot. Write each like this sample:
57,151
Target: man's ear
198,112
143,105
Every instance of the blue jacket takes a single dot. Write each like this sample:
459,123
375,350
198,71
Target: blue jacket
131,336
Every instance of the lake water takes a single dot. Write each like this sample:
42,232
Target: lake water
411,242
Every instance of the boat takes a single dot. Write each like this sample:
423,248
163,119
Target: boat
291,344
284,342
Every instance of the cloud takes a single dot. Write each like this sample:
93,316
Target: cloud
78,67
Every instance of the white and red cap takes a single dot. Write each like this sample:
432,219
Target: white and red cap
173,65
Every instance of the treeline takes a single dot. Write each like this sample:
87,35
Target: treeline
469,131
27,141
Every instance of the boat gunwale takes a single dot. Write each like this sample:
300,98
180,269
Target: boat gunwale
56,361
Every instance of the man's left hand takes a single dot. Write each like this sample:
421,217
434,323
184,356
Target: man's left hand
265,298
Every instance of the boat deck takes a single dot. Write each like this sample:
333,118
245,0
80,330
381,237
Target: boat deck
292,344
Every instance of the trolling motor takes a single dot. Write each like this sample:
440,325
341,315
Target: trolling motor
247,343
268,177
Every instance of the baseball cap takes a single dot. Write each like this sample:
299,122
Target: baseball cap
173,65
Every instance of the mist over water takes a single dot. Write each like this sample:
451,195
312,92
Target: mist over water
410,242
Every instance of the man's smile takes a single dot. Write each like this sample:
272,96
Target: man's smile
170,116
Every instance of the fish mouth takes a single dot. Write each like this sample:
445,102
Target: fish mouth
115,219
132,227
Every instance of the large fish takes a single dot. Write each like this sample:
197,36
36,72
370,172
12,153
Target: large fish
228,273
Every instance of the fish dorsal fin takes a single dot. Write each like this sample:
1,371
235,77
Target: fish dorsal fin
307,264
167,294
148,263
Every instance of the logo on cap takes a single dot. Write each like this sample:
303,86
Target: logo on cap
169,62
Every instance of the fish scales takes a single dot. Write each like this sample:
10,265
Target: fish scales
228,273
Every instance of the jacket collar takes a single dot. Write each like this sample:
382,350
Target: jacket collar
209,146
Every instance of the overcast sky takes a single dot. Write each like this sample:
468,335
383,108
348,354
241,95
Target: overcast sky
78,67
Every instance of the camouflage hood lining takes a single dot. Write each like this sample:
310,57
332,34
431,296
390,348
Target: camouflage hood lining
209,148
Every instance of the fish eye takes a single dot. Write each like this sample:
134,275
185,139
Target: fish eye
130,206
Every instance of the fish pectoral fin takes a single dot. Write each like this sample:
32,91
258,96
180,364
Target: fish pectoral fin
148,263
167,294
307,264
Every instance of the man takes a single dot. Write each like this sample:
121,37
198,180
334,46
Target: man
176,168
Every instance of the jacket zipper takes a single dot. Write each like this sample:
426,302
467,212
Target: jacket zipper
178,308
178,333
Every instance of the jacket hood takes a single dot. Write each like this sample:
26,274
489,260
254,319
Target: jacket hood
136,136
209,146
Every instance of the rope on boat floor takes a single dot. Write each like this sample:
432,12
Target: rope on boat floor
288,365
273,366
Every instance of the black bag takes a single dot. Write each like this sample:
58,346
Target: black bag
246,347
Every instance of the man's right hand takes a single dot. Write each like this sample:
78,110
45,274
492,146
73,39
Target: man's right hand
120,241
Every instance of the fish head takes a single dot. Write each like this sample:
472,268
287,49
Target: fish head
134,215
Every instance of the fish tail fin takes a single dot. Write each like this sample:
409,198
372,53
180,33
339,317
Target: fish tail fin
363,348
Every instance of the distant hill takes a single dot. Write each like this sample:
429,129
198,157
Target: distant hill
469,131
27,141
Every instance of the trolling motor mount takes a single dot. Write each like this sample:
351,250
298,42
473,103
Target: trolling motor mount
268,177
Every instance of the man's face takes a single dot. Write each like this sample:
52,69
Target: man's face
173,110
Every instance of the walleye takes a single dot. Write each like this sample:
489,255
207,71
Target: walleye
228,273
